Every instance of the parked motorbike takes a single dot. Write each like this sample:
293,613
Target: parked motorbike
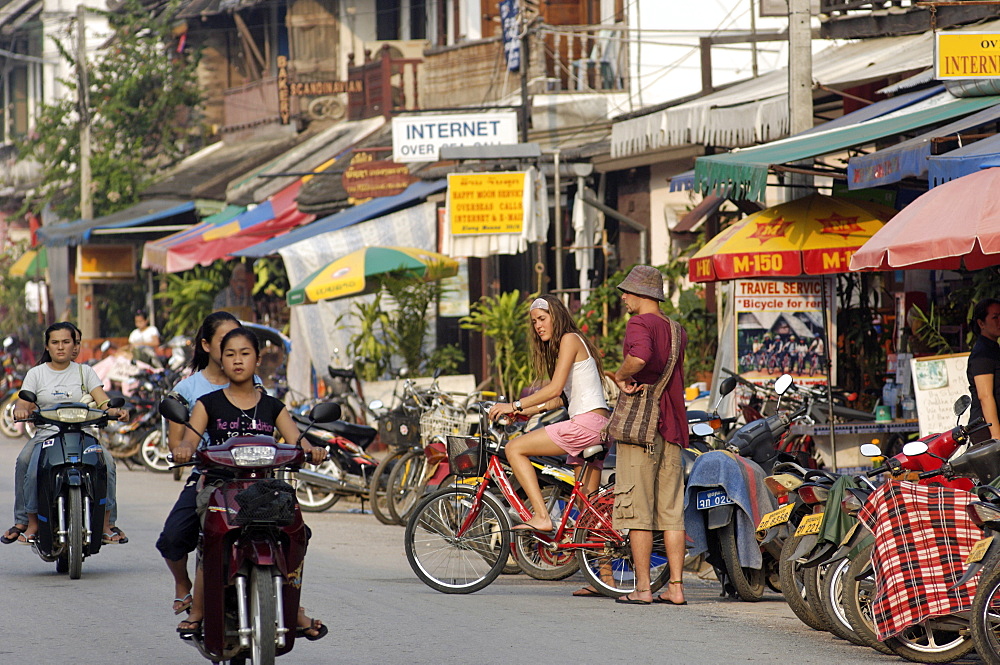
348,469
726,499
72,484
253,545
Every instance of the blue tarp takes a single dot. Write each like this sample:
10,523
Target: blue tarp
963,161
73,233
683,181
360,213
909,158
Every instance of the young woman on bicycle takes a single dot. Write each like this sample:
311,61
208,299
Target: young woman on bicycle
239,409
560,351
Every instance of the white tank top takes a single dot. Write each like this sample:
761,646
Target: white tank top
584,387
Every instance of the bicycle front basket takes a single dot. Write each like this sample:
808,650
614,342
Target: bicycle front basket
465,456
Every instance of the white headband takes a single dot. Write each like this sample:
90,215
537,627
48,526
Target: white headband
539,303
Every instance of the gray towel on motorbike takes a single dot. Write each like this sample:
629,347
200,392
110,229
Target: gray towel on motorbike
743,480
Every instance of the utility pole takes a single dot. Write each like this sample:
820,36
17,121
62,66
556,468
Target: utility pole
525,66
800,109
753,43
86,313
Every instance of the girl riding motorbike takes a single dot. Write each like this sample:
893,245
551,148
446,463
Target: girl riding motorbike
56,378
238,410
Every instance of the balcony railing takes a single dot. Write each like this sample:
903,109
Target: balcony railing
388,84
860,19
832,7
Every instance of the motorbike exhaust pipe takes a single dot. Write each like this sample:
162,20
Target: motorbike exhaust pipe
323,480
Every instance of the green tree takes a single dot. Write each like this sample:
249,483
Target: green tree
141,98
504,320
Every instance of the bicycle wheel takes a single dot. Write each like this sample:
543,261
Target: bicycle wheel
605,555
534,555
377,496
452,563
406,484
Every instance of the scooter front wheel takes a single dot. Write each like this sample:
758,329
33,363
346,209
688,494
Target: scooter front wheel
263,616
75,536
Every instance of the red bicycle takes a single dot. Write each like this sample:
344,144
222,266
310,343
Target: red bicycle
458,539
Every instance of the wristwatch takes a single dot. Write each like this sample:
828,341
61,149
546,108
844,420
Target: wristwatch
517,406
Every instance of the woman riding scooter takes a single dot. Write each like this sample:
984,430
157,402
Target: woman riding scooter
238,410
56,378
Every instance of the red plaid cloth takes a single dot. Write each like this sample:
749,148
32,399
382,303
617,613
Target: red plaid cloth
922,536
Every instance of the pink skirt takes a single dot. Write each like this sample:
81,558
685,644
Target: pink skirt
577,434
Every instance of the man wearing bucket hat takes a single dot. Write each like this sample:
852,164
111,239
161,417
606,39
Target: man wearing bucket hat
649,480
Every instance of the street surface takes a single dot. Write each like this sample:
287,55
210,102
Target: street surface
358,582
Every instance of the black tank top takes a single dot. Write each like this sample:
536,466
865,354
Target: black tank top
226,420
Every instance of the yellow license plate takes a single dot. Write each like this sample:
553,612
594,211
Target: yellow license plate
776,517
809,525
979,550
850,534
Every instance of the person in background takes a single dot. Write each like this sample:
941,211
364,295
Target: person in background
237,298
144,339
984,365
649,480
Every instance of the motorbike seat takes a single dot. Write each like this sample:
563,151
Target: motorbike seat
813,474
341,373
792,468
359,434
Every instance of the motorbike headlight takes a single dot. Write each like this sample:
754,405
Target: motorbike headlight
72,415
253,455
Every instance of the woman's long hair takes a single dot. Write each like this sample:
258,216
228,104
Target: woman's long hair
545,354
207,332
59,325
981,311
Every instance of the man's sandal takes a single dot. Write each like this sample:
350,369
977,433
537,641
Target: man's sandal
114,537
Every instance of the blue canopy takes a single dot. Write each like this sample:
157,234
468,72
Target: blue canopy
909,158
963,161
139,215
683,181
360,213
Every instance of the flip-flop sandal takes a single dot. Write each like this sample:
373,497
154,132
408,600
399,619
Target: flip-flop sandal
185,604
17,531
194,628
321,630
109,538
587,592
30,539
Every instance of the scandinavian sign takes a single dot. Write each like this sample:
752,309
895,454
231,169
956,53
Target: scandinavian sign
419,138
484,203
967,55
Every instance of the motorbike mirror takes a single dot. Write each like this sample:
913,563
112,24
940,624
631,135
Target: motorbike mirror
961,404
375,404
325,412
914,448
870,450
173,411
727,386
116,402
403,371
28,396
105,345
782,384
8,342
702,429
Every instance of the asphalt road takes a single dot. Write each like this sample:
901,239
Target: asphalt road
358,581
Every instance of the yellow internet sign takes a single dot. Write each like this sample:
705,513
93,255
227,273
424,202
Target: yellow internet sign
967,55
483,203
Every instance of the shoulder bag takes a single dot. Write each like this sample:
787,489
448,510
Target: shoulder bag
635,417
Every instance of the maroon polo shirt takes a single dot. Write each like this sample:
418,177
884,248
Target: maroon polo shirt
647,337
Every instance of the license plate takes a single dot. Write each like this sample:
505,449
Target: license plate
979,550
774,518
712,498
809,525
